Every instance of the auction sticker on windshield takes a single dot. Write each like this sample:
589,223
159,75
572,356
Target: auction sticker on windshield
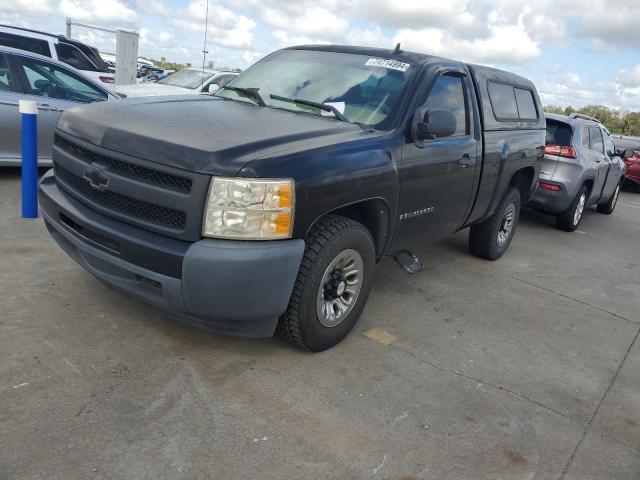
385,63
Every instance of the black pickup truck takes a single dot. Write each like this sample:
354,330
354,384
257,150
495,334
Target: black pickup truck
264,208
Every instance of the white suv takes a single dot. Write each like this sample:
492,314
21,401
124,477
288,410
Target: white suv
74,53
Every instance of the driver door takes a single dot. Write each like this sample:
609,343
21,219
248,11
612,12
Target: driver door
437,176
54,89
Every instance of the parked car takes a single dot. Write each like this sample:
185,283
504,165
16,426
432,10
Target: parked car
60,48
580,169
629,149
263,209
53,85
183,82
149,74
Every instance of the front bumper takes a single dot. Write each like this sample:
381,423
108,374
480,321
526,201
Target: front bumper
234,287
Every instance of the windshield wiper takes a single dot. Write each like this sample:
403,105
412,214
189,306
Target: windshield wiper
251,93
320,106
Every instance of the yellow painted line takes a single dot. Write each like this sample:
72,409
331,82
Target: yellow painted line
381,336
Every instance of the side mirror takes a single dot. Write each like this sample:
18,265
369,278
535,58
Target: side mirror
436,123
628,153
212,88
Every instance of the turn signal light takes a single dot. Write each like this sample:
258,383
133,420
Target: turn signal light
549,186
560,150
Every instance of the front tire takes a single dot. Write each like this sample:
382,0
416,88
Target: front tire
609,206
571,217
491,238
332,286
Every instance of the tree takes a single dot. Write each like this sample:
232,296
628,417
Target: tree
620,122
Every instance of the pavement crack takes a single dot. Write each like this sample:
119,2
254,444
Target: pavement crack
500,388
595,413
569,297
616,439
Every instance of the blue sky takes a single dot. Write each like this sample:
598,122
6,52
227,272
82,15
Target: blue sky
576,51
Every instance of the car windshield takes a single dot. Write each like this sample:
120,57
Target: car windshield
186,78
365,90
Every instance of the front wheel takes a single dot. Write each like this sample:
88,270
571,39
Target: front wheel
609,206
332,286
491,238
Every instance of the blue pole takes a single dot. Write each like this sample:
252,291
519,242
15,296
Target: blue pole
29,111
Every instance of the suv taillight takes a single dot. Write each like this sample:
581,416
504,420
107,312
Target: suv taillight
560,150
107,79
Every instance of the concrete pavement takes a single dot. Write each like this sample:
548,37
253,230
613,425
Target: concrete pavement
525,368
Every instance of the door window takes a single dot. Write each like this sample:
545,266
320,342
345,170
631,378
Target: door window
585,138
35,45
73,56
49,80
596,142
448,94
610,149
6,82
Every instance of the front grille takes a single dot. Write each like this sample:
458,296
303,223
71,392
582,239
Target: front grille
116,202
143,174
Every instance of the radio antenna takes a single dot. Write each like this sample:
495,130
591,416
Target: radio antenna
204,47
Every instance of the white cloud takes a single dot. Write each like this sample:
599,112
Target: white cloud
33,7
250,57
225,27
629,78
97,11
414,14
314,21
505,44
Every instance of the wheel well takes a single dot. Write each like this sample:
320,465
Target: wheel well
373,214
522,180
589,184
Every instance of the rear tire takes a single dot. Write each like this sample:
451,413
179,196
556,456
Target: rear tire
571,217
609,206
328,296
491,238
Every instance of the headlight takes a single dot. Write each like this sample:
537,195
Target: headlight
249,209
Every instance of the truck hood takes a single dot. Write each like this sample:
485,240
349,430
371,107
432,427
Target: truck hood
199,133
153,89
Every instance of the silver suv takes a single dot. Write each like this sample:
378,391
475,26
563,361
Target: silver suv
580,169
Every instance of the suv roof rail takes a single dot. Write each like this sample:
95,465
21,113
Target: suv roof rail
584,117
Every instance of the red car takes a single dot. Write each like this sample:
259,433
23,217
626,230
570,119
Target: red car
629,149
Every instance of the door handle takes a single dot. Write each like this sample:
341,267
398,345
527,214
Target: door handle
598,160
466,160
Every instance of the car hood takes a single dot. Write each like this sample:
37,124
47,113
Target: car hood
201,134
152,89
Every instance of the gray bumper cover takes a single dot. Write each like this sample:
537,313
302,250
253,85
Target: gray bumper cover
234,287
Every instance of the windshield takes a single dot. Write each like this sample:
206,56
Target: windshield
366,90
186,78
